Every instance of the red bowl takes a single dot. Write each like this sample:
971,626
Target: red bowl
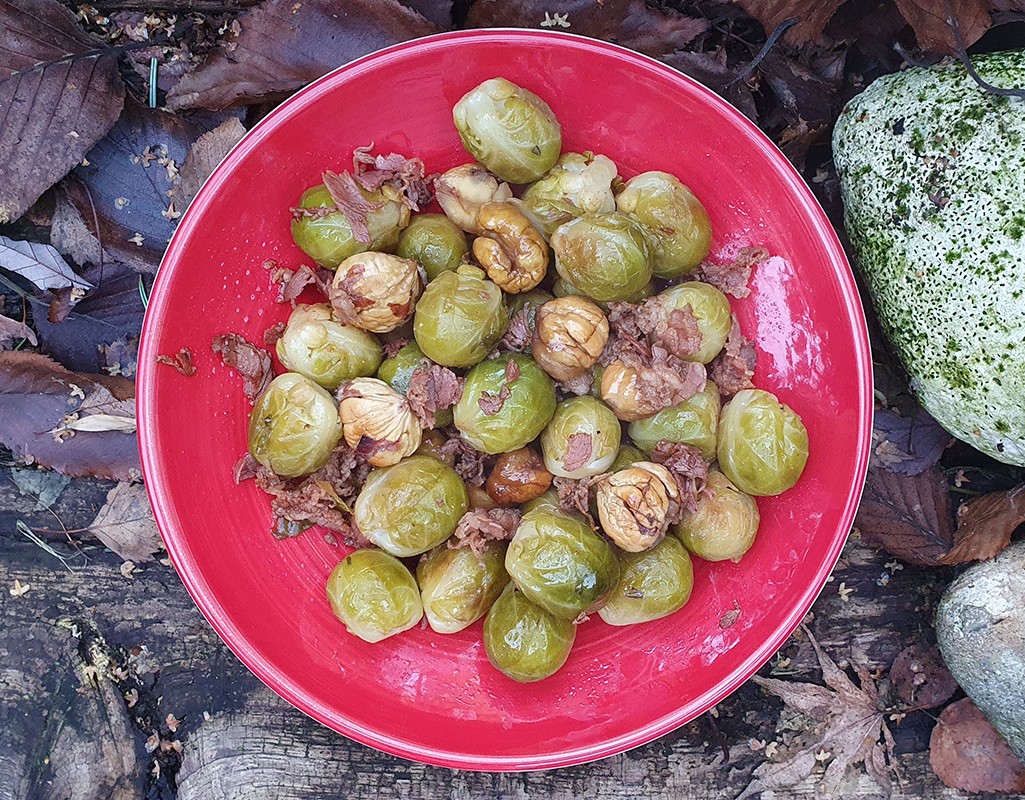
435,698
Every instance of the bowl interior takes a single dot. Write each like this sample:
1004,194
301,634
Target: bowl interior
430,697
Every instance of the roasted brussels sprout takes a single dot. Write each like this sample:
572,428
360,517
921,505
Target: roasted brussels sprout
294,426
509,130
674,219
378,422
509,248
558,562
578,184
463,191
636,504
694,422
325,236
523,641
458,586
316,345
535,298
582,439
375,291
605,256
434,242
711,310
725,523
506,403
518,477
397,371
570,334
549,499
763,445
408,508
431,444
374,595
652,584
627,456
460,318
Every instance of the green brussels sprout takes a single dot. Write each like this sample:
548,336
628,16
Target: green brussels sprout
329,240
597,433
676,223
494,425
410,507
509,130
535,298
605,256
711,310
653,584
627,456
374,595
460,317
578,184
434,242
523,641
723,526
397,371
694,422
763,445
458,586
329,352
294,426
559,563
549,500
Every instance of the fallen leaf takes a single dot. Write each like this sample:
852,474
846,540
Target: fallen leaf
125,523
711,69
631,23
967,753
13,330
206,153
56,107
908,445
127,180
38,397
437,11
71,236
284,45
928,19
920,678
44,486
985,526
39,264
850,725
811,16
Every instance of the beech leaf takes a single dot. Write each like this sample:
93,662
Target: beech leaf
125,523
39,264
205,154
928,19
811,16
908,445
967,753
284,45
985,526
11,330
55,107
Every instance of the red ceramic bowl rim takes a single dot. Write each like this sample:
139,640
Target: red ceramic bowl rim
205,598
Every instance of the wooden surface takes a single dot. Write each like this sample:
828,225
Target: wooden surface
93,662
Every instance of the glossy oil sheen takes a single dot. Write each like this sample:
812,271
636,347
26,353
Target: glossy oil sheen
435,698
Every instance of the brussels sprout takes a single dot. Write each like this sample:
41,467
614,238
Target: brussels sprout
408,508
294,426
627,456
725,523
582,439
579,183
549,500
509,130
652,584
397,371
431,444
603,255
675,221
535,298
710,308
523,641
374,595
693,422
458,586
328,239
434,242
763,445
316,345
460,318
559,563
496,425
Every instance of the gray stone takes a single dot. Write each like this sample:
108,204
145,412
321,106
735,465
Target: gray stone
980,625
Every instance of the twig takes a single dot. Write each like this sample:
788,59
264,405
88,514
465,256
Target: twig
910,59
964,58
774,37
98,52
29,534
719,740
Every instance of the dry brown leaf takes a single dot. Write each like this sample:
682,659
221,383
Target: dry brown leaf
930,21
39,264
205,154
811,16
12,330
849,726
125,523
985,525
921,678
967,753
